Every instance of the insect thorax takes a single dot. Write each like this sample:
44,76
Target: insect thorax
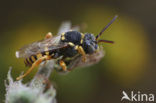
72,36
87,42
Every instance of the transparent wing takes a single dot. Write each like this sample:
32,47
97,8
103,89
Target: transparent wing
65,26
75,28
39,46
90,60
76,61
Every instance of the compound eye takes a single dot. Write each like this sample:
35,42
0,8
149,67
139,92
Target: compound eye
88,43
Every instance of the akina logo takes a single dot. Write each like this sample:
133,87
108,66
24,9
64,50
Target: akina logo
137,96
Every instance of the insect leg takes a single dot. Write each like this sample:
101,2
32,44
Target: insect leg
48,35
36,63
82,52
63,65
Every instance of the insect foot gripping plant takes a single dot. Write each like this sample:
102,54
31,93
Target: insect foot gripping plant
39,90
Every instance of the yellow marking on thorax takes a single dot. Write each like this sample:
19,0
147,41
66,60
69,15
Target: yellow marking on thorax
82,37
71,44
39,55
62,36
76,47
81,41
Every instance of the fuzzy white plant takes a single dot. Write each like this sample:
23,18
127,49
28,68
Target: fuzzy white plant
31,92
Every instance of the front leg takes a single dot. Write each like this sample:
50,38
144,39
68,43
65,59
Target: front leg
82,52
79,49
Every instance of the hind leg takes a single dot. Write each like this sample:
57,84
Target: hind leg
36,63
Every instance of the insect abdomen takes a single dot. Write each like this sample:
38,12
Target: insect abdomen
30,60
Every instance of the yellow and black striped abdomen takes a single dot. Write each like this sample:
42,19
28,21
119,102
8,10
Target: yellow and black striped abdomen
30,60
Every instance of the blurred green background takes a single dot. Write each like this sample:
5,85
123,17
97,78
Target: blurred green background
128,65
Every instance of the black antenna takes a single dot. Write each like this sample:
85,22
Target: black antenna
105,41
106,27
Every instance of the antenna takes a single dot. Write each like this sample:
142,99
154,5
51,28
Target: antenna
105,41
106,27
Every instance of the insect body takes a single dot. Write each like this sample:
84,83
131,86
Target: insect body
67,44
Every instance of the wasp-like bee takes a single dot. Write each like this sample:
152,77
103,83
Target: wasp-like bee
70,46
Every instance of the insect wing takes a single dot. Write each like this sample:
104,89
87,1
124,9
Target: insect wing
65,26
75,28
76,61
40,46
91,59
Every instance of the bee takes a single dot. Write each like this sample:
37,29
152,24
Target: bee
69,48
